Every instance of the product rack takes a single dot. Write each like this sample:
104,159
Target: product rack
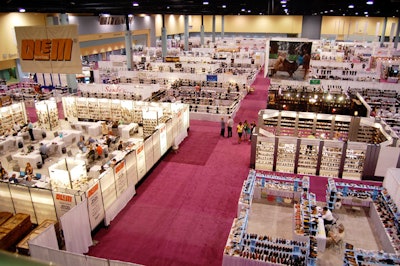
331,194
355,256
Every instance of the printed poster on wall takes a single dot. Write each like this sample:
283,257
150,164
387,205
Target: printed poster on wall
141,161
95,205
63,202
49,49
163,138
120,177
289,59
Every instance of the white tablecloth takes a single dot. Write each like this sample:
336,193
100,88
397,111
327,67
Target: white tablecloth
91,128
33,158
126,131
68,136
10,142
54,146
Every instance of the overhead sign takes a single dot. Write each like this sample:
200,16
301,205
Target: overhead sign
49,49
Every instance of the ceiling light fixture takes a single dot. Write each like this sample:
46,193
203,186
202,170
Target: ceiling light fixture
21,10
283,5
351,6
243,9
135,4
223,6
205,3
370,2
283,2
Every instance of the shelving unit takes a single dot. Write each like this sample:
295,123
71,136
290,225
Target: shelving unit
286,155
355,256
308,156
265,153
331,194
354,161
11,114
331,158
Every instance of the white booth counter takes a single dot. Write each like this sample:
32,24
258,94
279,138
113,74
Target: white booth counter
68,136
127,131
54,146
10,142
91,128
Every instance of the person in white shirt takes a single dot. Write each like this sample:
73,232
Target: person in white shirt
327,216
17,128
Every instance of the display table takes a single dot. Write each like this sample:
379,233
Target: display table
68,136
54,146
258,191
91,128
33,158
10,142
126,131
38,133
356,202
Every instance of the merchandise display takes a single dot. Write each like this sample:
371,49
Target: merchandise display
9,115
356,256
47,114
243,247
291,142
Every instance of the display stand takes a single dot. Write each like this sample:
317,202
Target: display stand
331,194
9,115
47,113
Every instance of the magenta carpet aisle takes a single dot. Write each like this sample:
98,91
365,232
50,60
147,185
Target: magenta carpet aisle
183,211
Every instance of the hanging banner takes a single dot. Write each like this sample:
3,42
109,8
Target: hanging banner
95,206
121,181
63,202
49,49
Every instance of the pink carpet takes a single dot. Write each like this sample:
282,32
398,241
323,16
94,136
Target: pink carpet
183,211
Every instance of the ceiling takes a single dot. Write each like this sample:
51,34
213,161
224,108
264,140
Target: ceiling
380,8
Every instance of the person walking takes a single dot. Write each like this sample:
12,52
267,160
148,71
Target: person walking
222,127
229,125
252,129
239,129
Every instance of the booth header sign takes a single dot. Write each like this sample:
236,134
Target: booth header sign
49,49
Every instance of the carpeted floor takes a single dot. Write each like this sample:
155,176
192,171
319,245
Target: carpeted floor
184,209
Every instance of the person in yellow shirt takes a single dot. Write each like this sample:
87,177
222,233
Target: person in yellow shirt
239,129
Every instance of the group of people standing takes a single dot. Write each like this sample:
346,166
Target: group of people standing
244,130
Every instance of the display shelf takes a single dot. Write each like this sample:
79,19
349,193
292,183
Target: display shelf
308,157
277,185
286,154
331,194
354,160
265,153
331,158
356,256
386,218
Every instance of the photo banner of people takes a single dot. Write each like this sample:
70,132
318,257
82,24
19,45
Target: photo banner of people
289,59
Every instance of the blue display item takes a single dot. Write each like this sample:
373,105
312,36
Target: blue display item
38,175
212,77
22,173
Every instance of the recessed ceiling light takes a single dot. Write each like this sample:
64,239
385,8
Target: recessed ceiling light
135,4
370,2
286,10
356,13
351,6
366,12
331,10
168,7
283,2
21,10
243,9
283,5
130,16
205,3
260,13
223,6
